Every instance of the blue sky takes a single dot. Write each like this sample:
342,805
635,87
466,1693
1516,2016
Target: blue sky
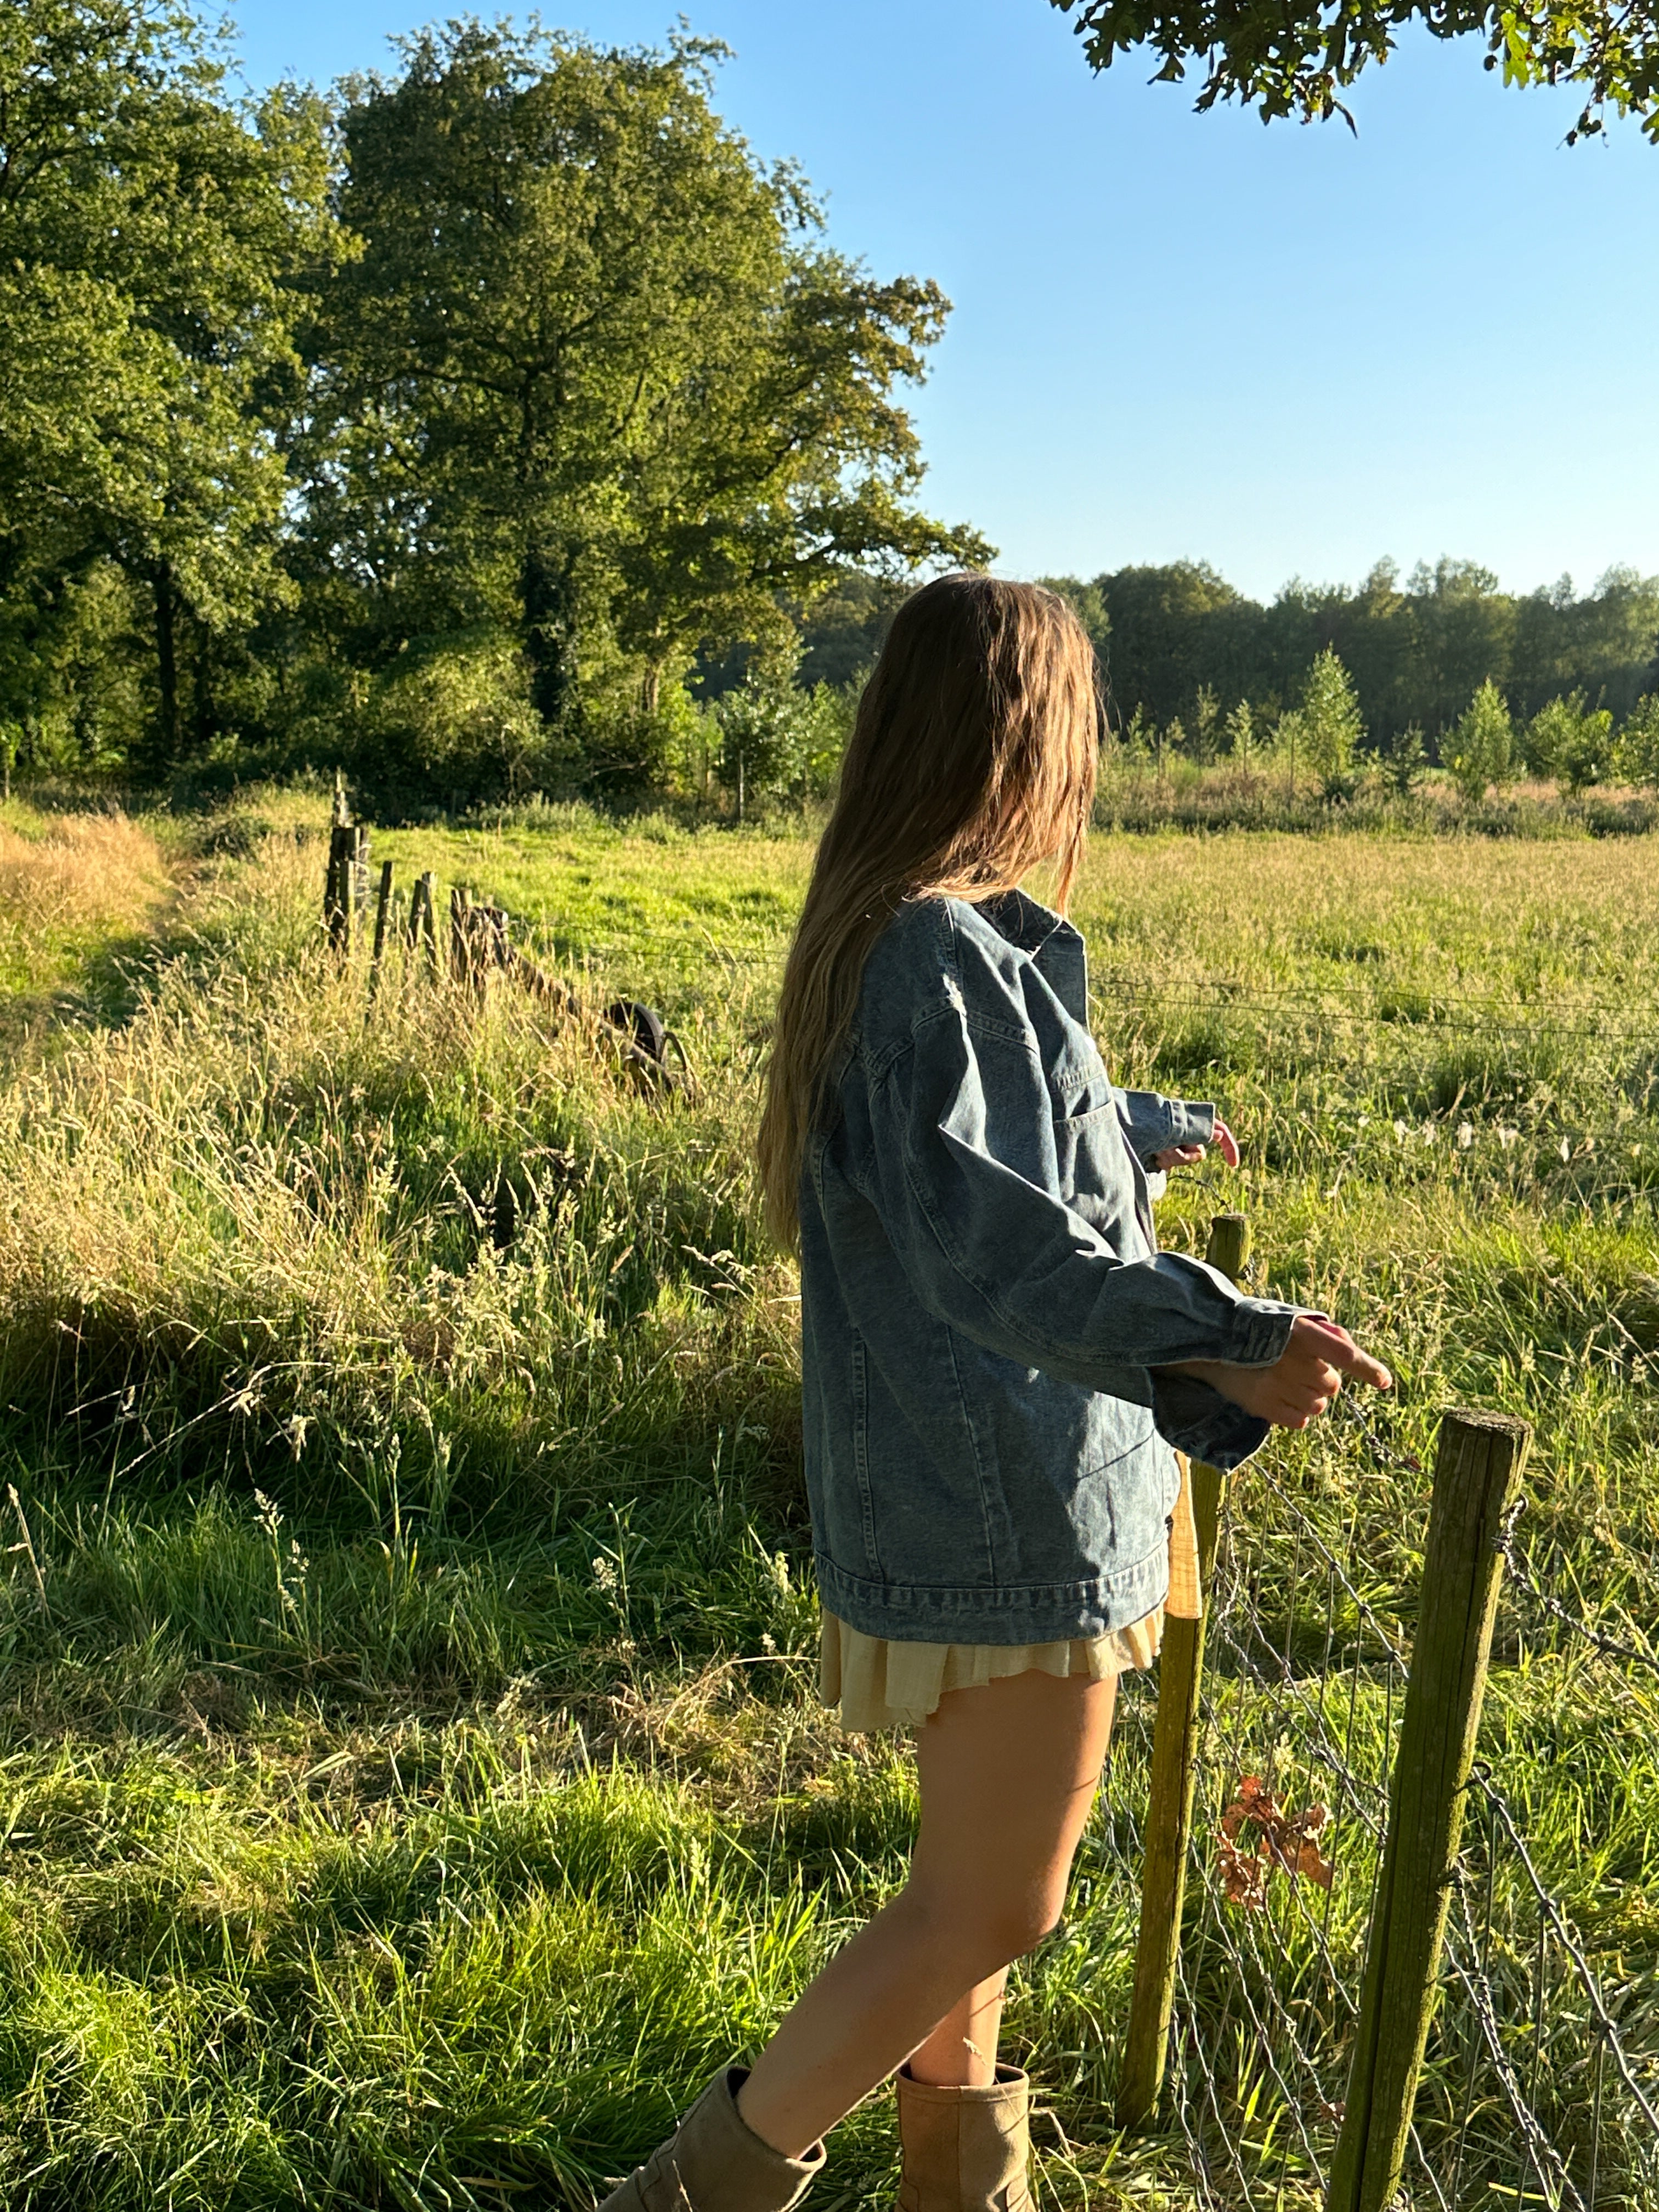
1287,351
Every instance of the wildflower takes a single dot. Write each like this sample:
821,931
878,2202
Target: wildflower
1402,1131
1506,1137
604,1578
1565,1148
1465,1135
770,1644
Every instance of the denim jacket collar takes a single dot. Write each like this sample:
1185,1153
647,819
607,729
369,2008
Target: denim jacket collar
1056,949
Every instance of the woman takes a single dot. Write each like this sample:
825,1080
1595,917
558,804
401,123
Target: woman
999,1371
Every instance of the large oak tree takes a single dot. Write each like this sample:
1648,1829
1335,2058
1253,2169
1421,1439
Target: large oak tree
593,372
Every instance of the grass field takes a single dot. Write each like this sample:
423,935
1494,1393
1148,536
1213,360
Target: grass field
410,1779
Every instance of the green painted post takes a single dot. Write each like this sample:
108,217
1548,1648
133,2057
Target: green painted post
1175,1766
1477,1465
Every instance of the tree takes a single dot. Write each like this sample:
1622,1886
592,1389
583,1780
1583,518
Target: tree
150,236
1478,751
1297,59
767,726
1326,729
594,376
1569,743
1637,753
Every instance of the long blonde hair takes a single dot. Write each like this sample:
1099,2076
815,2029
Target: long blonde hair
973,757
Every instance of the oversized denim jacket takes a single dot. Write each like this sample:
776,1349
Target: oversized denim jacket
982,1301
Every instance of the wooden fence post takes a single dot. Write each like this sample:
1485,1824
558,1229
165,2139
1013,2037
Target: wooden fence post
359,878
382,915
1477,1464
338,892
1175,1766
423,921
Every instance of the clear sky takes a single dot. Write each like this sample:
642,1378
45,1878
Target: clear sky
1288,351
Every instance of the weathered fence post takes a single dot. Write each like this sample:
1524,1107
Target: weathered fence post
382,913
461,950
422,922
1175,1766
336,895
1479,1461
345,892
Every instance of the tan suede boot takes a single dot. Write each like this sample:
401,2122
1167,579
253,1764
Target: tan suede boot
713,2163
965,2150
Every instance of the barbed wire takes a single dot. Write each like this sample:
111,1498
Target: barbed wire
1273,1973
1480,1779
1223,990
1611,1647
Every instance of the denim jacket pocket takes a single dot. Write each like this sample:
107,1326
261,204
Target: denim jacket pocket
1080,1143
1096,1171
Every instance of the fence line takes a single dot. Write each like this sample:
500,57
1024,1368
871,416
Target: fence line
1534,2091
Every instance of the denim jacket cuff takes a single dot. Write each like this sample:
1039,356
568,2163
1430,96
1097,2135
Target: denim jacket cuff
1201,1422
1191,1122
1258,1330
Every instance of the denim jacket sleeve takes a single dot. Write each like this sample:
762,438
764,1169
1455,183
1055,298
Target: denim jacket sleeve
1154,1123
965,1173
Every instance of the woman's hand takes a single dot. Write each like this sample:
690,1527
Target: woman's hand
1301,1381
1187,1156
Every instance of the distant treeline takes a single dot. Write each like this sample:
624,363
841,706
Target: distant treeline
1177,642
1416,650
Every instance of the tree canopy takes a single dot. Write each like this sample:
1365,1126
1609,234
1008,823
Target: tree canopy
593,374
150,232
451,420
1297,58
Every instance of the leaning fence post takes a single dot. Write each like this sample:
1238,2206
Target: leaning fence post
1478,1460
1175,1766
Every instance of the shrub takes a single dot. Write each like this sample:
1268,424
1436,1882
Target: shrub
630,749
1479,748
1571,746
1407,758
1637,751
450,727
766,737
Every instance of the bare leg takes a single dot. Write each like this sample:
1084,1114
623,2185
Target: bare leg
1008,1772
961,2053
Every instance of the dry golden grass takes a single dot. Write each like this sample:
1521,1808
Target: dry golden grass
87,871
76,891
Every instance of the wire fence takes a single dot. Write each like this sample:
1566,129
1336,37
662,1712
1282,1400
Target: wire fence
1401,1012
1541,2081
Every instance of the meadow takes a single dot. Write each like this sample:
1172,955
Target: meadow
411,1779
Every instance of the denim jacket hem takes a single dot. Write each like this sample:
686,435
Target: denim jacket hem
1051,1612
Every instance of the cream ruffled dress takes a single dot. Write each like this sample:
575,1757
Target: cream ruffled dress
880,1682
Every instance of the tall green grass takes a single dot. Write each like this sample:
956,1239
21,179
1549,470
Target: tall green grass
410,1774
